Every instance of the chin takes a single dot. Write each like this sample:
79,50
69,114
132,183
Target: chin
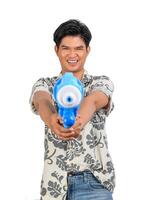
74,68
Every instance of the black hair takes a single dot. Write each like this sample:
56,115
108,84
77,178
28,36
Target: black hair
72,27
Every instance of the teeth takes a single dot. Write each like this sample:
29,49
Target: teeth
72,61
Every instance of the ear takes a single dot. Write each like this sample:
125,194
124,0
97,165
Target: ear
56,49
88,50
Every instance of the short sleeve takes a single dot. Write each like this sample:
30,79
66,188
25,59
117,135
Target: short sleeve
41,85
105,85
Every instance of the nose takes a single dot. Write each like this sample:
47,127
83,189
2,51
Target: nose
72,53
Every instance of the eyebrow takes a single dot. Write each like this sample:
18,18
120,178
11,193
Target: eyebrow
64,45
77,47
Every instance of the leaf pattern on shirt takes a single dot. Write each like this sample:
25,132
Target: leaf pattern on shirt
43,189
98,77
98,121
57,176
54,188
74,148
46,154
89,159
87,81
56,141
109,168
102,81
64,197
108,88
94,139
98,85
94,164
72,167
107,184
61,162
105,141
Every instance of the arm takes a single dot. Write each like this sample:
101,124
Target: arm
90,104
44,105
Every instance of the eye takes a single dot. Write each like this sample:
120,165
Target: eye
80,48
65,48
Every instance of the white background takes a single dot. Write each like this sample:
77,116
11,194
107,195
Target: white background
27,53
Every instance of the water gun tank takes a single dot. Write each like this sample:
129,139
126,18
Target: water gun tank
68,94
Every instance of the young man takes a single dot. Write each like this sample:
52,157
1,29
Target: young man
77,164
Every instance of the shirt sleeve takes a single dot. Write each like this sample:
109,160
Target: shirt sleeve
105,85
41,85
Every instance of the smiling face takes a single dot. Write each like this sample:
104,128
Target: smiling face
72,53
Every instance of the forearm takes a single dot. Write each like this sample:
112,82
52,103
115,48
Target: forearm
86,111
90,105
44,106
45,111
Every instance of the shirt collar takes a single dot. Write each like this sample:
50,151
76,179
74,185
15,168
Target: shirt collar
85,75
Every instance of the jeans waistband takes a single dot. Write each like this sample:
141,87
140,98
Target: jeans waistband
76,173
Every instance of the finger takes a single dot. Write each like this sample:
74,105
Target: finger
66,135
59,119
69,136
61,135
65,130
77,132
77,125
76,136
78,117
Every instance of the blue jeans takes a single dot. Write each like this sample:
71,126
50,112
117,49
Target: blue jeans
85,186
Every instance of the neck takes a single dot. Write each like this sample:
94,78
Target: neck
78,74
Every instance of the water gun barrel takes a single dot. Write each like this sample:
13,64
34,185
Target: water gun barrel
68,93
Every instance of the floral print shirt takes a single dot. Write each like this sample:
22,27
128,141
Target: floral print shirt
88,151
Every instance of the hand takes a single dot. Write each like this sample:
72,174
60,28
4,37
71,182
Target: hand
56,125
77,127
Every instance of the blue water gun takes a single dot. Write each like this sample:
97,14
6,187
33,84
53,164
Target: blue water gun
68,93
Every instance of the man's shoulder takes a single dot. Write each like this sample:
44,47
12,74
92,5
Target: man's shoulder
97,77
48,79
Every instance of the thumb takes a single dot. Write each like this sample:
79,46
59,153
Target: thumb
59,119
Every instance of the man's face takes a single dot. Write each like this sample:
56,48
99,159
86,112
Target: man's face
72,53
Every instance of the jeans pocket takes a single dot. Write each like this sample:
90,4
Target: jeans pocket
94,183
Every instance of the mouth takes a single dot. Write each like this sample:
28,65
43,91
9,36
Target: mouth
72,62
